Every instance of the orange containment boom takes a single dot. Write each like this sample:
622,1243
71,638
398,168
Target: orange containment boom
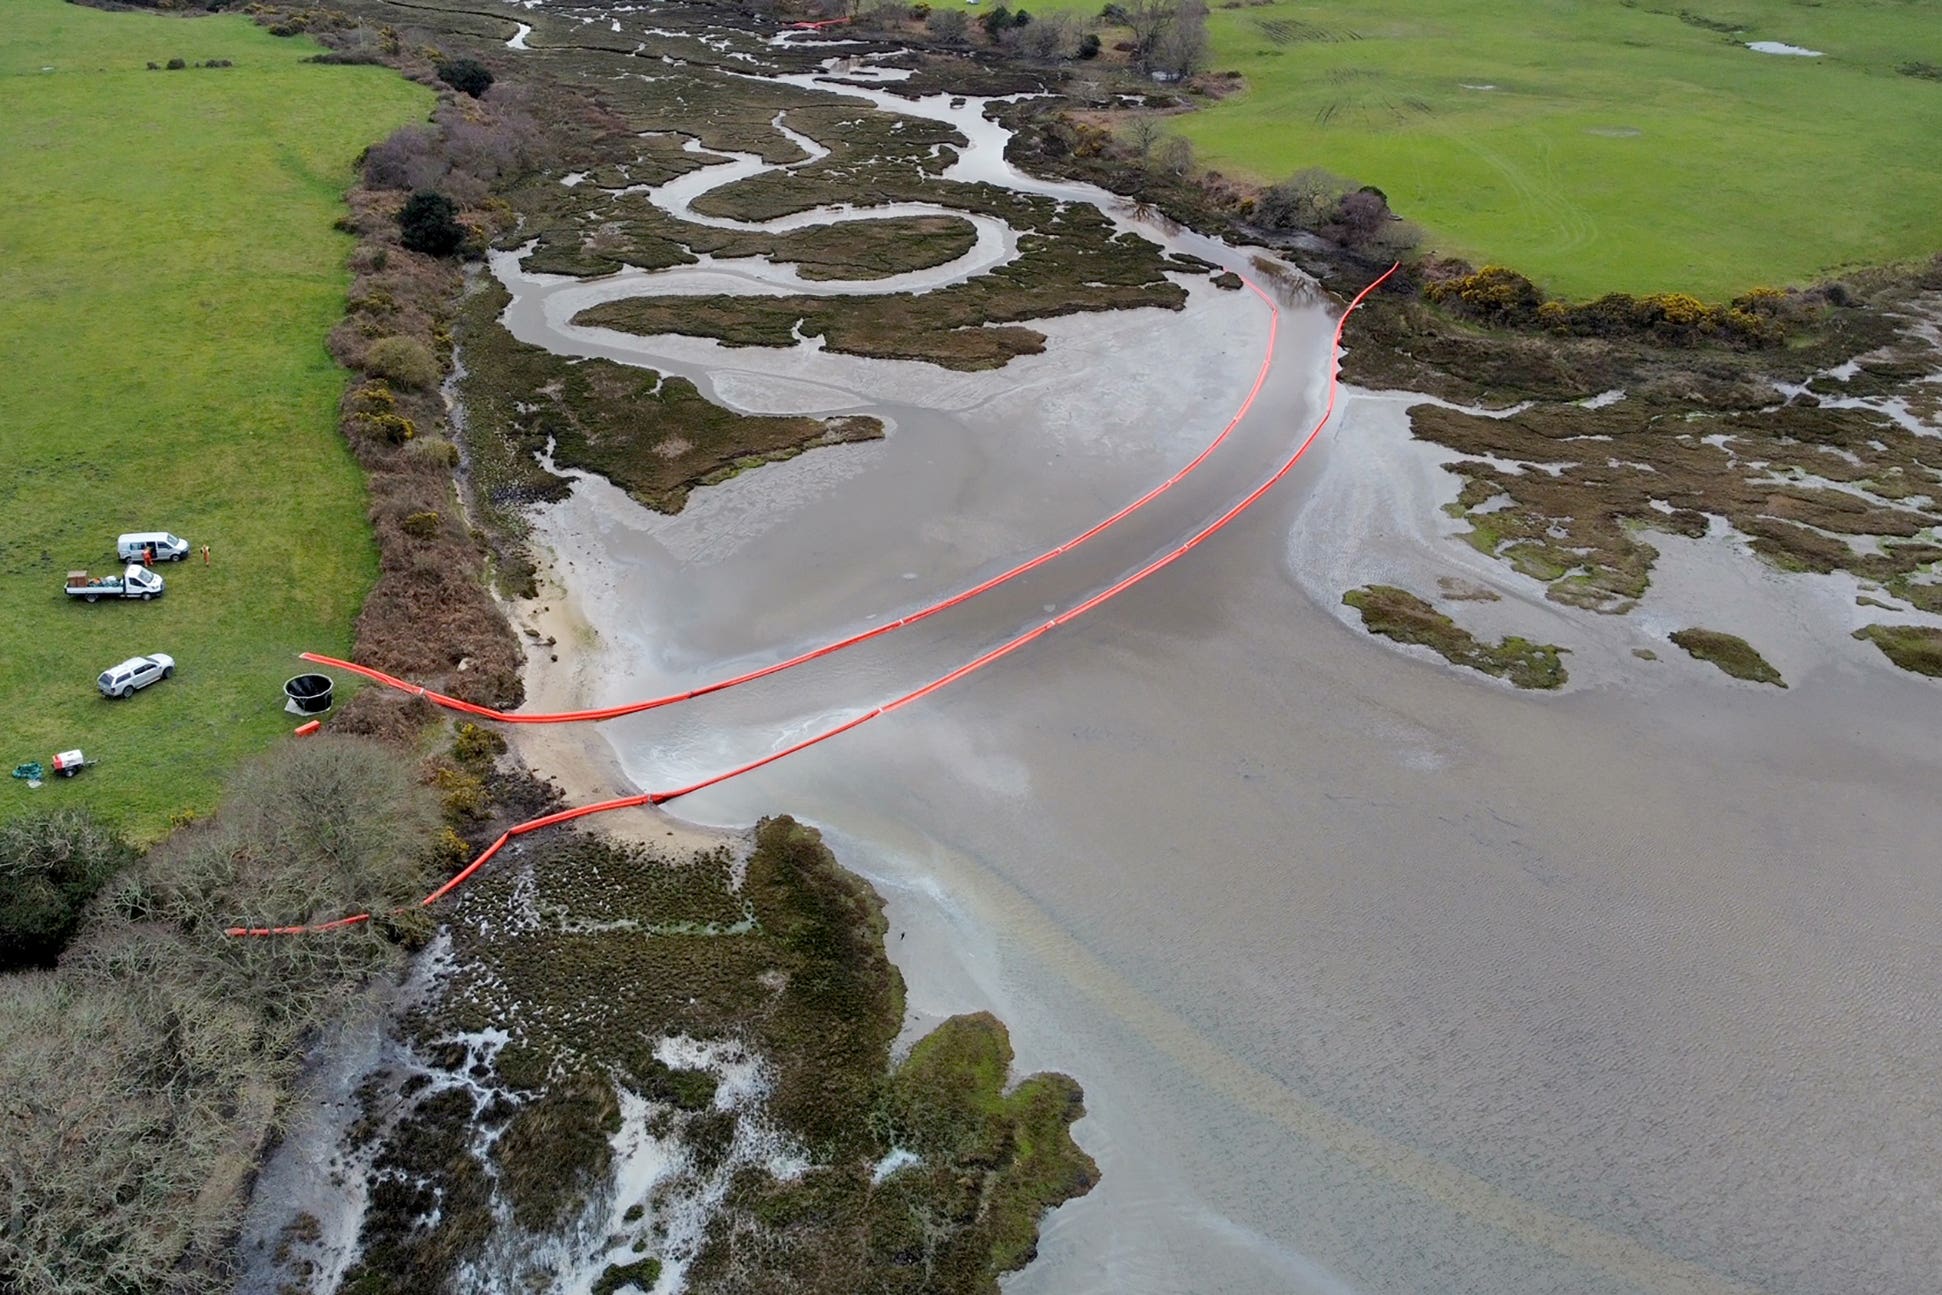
861,636
1005,649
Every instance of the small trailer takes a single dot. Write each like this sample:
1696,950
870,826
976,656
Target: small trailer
65,765
69,763
135,582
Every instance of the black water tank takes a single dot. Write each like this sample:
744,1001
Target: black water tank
309,693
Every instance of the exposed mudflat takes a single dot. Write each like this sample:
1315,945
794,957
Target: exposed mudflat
1630,989
1378,977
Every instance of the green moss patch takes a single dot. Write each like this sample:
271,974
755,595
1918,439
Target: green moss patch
1917,648
640,1275
554,1150
1730,653
947,1104
426,1168
1400,615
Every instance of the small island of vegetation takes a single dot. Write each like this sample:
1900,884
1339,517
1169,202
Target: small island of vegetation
1730,653
1400,615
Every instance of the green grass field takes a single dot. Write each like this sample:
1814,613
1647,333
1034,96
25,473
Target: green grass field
168,271
1621,146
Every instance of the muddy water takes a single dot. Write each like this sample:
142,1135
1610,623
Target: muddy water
1378,978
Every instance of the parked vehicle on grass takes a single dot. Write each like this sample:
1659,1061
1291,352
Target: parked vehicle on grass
135,582
135,673
167,547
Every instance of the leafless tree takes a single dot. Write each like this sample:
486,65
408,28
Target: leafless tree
1144,133
948,25
1305,200
1182,45
142,1074
409,158
1149,21
1176,155
1395,238
885,15
1048,38
1360,218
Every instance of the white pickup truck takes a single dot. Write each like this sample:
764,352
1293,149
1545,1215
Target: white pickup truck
135,582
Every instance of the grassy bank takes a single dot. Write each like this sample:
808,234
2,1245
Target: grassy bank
170,271
1599,146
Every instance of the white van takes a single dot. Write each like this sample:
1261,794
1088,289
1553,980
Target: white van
168,548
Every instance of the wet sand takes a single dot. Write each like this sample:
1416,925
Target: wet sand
1379,977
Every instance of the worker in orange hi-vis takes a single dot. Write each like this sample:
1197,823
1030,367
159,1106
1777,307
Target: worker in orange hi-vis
205,555
148,555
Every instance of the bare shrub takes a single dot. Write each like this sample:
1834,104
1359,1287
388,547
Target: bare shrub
403,361
884,15
410,158
385,716
1395,238
1360,217
489,150
1176,156
950,26
315,829
50,866
1305,200
144,1076
435,451
1055,36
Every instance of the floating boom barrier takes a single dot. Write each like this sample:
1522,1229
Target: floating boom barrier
1004,649
861,636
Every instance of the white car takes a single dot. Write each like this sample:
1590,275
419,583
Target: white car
136,672
168,548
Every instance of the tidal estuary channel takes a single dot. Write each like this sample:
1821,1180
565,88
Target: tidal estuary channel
1378,977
